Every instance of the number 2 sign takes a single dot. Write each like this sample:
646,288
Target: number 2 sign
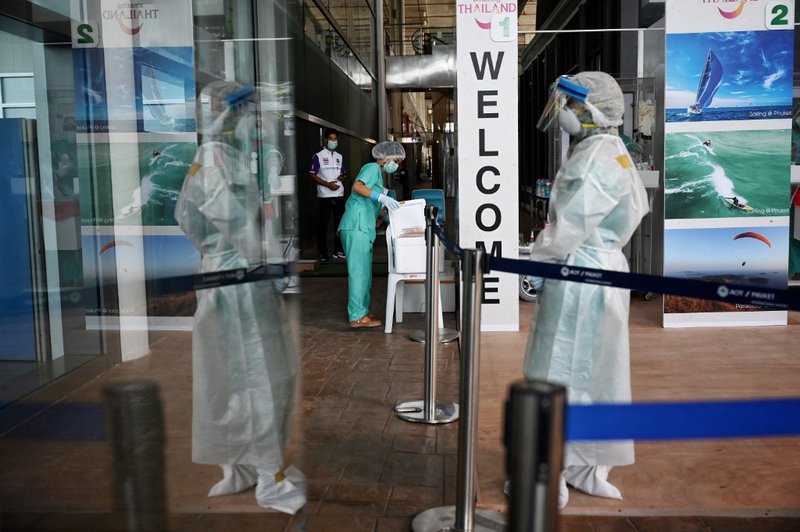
779,15
85,34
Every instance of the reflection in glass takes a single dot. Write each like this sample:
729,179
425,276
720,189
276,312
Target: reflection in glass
19,112
17,90
245,364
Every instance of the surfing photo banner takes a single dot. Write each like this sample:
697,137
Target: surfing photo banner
728,108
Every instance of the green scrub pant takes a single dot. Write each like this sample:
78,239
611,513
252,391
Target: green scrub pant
358,249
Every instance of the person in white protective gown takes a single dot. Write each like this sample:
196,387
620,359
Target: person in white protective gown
579,337
244,360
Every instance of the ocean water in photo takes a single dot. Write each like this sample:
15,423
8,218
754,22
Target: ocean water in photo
705,171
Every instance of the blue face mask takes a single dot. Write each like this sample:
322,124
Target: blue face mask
332,144
391,167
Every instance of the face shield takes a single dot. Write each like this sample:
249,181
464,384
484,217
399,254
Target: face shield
560,93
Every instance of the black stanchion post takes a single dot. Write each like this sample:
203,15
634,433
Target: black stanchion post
136,427
464,517
429,410
534,434
432,287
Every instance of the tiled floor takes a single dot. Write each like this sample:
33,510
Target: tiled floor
370,471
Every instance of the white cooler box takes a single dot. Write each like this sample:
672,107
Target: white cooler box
409,252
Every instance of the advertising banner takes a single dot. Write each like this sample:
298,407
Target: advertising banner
728,100
133,68
488,201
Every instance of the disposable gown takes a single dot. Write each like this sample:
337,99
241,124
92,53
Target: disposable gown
581,331
244,361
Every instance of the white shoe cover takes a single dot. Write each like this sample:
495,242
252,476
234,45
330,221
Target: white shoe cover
283,491
592,480
235,478
563,492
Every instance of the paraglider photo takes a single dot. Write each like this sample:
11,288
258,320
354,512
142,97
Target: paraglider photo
729,76
165,256
726,174
754,256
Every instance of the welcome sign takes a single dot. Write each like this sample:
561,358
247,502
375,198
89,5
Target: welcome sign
488,204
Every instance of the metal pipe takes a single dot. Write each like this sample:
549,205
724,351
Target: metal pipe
431,311
380,71
468,397
136,427
429,409
534,435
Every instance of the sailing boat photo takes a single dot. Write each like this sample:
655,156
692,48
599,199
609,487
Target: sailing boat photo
709,83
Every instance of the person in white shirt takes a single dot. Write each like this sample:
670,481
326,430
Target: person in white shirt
328,172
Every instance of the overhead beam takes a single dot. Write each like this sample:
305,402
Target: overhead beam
558,19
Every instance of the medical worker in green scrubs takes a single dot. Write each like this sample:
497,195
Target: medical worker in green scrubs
357,228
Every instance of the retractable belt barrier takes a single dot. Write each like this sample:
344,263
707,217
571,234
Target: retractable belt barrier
666,421
763,297
682,421
201,281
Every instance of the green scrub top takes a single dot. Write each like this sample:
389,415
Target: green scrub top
360,213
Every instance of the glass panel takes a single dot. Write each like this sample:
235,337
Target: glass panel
19,112
18,90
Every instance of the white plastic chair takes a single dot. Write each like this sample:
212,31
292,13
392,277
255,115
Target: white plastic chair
395,285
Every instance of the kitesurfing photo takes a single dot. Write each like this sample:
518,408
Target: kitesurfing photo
145,198
729,76
752,256
726,174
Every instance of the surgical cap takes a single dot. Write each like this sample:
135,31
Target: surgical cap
604,94
389,149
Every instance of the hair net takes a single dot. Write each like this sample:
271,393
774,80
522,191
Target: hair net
604,95
389,149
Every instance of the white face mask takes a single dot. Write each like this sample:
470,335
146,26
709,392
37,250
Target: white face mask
568,121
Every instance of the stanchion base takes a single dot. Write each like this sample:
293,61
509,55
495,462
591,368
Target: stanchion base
443,519
414,411
445,336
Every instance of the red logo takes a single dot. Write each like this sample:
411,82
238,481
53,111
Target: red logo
735,13
131,17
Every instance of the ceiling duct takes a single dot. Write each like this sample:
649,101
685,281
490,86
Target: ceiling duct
419,72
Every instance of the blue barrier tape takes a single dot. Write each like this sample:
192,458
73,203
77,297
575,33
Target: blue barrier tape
60,421
680,421
758,296
763,297
202,281
450,245
598,422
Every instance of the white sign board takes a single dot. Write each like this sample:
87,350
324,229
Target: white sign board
488,204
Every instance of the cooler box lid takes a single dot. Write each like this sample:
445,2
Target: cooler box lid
408,222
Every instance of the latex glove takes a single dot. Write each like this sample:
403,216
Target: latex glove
387,201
